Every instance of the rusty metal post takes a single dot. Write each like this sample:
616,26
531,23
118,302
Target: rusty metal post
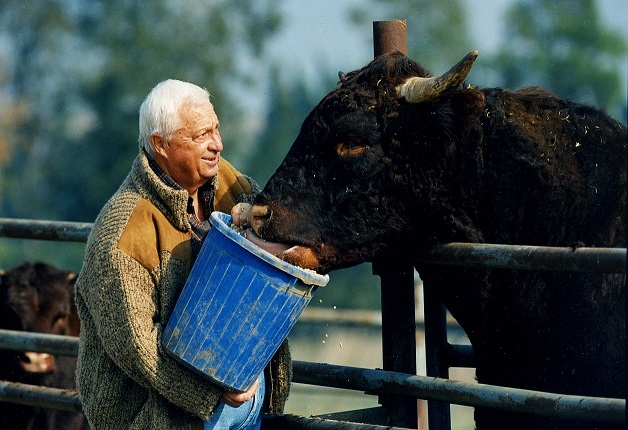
389,36
397,280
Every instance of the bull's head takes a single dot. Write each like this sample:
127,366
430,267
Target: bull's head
35,298
346,191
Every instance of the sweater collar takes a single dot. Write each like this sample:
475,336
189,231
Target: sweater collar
172,202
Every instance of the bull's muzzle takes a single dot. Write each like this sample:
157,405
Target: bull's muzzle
259,217
37,362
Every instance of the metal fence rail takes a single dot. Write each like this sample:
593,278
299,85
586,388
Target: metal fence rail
610,260
383,382
461,254
351,378
38,396
463,393
45,230
39,342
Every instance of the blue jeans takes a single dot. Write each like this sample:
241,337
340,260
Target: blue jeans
246,417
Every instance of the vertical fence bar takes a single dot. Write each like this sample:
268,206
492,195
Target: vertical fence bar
397,278
438,413
389,36
398,336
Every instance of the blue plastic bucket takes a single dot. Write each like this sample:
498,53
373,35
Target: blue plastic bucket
236,307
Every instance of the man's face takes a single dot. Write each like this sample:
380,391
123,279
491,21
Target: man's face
191,157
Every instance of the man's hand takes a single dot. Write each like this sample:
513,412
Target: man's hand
240,214
235,400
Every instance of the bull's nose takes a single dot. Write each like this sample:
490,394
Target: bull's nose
37,362
259,216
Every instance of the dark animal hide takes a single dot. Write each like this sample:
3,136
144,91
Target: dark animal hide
38,298
374,172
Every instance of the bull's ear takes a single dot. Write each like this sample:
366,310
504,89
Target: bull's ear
468,104
342,77
471,100
418,89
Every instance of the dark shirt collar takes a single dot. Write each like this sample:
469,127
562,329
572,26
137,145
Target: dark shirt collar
205,193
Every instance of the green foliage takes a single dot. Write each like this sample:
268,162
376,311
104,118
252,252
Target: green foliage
565,47
351,288
82,68
288,105
73,81
68,255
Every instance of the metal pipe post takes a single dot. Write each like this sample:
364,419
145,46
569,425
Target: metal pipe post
390,36
438,412
398,335
397,278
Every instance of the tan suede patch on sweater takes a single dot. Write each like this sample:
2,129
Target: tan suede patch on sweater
140,242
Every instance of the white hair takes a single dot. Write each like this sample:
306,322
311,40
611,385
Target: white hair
159,112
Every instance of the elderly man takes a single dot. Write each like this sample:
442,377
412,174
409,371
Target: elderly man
137,259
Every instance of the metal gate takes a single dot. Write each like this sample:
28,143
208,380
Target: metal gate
397,384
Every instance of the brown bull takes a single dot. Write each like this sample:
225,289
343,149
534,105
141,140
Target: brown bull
394,159
38,298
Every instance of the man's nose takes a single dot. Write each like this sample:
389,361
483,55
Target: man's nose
215,143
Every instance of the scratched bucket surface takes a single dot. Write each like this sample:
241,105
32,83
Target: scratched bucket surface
236,307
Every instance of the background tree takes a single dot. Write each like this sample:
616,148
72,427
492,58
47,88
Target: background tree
566,48
288,104
77,72
290,101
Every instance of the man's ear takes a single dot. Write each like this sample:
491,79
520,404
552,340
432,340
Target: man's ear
159,144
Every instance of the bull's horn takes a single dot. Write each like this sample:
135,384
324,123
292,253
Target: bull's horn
417,89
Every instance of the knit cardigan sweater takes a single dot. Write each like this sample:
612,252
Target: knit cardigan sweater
136,262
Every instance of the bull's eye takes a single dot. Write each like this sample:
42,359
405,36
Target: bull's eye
349,149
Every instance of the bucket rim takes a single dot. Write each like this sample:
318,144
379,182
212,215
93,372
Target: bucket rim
222,222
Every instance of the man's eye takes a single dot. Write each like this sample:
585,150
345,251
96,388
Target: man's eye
201,137
206,134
